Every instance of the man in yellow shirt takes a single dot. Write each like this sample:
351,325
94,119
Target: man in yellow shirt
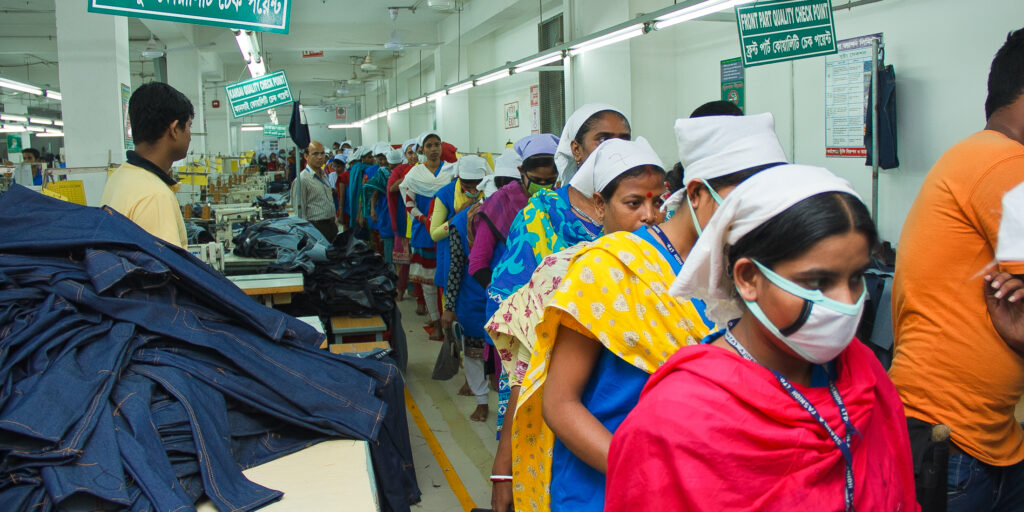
142,189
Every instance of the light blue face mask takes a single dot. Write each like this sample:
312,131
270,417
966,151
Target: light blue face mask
693,214
820,333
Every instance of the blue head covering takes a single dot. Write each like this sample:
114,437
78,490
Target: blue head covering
539,144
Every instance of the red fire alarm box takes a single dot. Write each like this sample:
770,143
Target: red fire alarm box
215,103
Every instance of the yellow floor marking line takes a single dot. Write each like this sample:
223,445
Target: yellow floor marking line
442,460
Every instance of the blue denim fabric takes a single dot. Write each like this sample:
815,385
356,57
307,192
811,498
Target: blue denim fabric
133,377
973,486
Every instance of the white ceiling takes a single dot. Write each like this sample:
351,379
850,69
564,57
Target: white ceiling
343,29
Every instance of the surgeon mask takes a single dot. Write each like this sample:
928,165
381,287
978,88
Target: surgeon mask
825,326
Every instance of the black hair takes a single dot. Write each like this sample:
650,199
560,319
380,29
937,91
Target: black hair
153,107
674,177
1006,78
501,181
794,231
32,151
717,108
733,179
592,120
609,190
539,160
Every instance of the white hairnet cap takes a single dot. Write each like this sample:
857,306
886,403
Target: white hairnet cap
564,161
1011,228
473,167
612,158
507,165
752,203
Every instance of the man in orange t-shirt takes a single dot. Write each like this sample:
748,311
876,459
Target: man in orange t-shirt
959,318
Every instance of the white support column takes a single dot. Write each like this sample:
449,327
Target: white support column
92,50
184,73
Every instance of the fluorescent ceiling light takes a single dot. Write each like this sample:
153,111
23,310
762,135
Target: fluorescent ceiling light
392,110
51,133
39,120
58,122
497,75
607,39
539,61
33,128
257,68
403,106
54,95
418,101
12,117
343,126
461,87
11,128
18,86
252,128
439,94
696,11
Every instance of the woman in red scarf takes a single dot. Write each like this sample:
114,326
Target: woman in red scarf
784,409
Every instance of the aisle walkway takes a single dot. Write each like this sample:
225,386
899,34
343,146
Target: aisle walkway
468,445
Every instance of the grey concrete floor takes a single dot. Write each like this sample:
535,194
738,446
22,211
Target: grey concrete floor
468,445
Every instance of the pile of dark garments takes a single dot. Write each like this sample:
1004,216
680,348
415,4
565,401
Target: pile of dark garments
273,206
134,377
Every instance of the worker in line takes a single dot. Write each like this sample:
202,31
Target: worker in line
142,188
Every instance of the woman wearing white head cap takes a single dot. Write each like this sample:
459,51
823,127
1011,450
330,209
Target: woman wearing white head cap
782,409
376,188
418,189
586,128
454,197
626,178
400,222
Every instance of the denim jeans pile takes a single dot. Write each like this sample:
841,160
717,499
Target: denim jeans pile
134,377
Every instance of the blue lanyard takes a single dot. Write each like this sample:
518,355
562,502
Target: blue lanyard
798,397
668,244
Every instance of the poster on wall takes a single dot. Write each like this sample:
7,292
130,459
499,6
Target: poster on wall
126,124
512,115
733,81
847,84
341,112
534,109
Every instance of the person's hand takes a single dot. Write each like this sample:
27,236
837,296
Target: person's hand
473,209
447,319
501,497
1004,296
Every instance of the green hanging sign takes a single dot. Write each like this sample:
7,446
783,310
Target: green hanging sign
13,144
258,94
781,30
259,15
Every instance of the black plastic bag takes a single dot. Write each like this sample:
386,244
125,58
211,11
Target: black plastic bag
448,358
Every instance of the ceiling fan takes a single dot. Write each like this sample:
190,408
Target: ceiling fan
395,40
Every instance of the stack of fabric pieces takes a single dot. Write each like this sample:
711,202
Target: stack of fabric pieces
135,377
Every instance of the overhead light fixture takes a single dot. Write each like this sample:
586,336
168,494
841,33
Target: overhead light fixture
51,133
343,126
273,116
33,128
256,68
392,110
497,75
403,106
607,39
250,49
39,120
468,84
418,101
11,128
439,94
18,86
696,11
252,128
54,95
12,117
539,61
58,122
